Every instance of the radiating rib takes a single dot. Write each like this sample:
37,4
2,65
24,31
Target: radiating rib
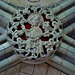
6,17
71,16
66,13
5,14
4,46
9,62
68,39
7,7
56,9
2,37
68,47
67,19
69,28
63,63
63,5
2,30
56,59
67,52
6,51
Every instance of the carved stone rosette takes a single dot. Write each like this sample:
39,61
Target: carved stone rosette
35,33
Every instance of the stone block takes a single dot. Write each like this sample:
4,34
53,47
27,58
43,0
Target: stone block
40,69
13,71
52,71
27,68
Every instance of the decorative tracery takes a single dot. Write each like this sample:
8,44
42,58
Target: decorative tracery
35,32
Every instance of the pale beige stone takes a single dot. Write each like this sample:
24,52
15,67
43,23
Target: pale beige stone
52,71
40,69
27,68
14,70
23,74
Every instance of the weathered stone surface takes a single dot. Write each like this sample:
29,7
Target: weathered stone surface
52,71
27,68
14,70
40,69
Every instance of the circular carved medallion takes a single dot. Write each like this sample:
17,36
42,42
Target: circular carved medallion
35,33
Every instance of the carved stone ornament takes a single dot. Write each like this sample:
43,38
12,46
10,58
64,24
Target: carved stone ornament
35,33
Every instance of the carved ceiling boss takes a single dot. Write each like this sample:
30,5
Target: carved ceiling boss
35,32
